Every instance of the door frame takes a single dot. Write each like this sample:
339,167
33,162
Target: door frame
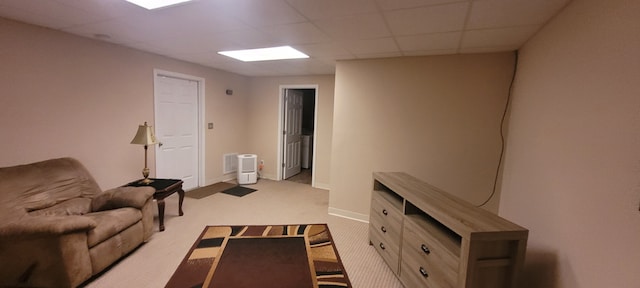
281,112
201,111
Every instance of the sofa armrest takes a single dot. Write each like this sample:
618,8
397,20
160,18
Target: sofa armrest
121,197
43,226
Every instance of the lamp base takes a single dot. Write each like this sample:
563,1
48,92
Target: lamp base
145,174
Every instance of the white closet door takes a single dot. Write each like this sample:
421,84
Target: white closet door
177,129
292,132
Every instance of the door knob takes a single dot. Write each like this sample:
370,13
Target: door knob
160,144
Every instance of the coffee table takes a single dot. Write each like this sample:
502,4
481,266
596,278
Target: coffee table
164,188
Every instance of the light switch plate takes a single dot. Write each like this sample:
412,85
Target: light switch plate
210,126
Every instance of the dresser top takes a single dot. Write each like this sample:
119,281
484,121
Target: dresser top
460,216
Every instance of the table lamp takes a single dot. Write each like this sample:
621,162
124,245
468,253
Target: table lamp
145,137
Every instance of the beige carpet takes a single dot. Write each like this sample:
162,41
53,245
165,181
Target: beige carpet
209,190
275,202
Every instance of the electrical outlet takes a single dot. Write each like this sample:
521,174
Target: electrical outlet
210,126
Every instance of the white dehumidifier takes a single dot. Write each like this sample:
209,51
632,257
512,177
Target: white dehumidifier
247,169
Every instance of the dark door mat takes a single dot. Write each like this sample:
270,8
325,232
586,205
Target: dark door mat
239,191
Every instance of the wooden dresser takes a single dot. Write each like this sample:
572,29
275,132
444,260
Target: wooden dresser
430,238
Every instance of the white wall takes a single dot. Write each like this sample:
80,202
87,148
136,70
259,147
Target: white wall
572,170
63,95
263,114
437,118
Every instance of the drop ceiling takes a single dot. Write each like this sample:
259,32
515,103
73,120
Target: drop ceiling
326,30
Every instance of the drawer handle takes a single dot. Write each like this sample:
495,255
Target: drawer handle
382,246
424,272
384,211
384,230
425,249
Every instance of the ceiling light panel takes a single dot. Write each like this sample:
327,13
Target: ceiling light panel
154,4
265,54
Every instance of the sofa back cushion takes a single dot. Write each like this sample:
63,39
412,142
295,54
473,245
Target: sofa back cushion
75,206
40,185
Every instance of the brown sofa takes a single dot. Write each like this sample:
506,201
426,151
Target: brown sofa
58,228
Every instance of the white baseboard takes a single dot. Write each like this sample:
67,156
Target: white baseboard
223,178
268,176
349,214
321,185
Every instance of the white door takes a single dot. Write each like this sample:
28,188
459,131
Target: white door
293,132
176,129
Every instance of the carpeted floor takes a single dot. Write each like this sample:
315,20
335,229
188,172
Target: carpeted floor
275,202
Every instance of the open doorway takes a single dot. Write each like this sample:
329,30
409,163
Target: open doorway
298,117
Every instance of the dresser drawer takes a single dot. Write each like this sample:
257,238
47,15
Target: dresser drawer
428,259
385,227
386,208
388,247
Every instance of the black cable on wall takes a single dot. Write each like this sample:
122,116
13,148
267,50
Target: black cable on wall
502,145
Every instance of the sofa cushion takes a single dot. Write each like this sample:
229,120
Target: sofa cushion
75,206
111,222
40,185
121,197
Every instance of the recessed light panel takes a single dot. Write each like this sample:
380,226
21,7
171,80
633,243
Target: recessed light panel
154,4
264,54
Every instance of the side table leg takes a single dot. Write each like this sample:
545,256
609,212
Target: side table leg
181,194
181,198
161,213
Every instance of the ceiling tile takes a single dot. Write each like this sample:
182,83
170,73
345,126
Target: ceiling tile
505,13
185,44
45,13
403,4
192,20
513,36
431,52
427,42
102,10
355,27
326,9
200,20
298,33
326,30
296,67
488,49
247,39
259,13
380,55
371,46
425,20
326,51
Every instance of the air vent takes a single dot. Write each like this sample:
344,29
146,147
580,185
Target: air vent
229,163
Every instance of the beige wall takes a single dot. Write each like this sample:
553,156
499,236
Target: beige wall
63,95
572,171
436,118
263,115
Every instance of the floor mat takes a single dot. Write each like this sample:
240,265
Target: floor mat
209,190
239,191
284,256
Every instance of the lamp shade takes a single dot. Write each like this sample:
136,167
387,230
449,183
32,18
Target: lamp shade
144,136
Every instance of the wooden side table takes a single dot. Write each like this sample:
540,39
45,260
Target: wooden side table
164,188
